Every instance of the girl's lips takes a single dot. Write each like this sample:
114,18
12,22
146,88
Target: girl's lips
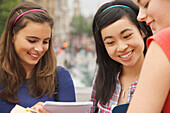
126,56
148,23
152,25
33,56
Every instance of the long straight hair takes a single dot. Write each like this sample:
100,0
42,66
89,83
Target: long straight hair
12,73
107,67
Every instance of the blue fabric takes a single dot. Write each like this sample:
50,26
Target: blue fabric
66,93
117,6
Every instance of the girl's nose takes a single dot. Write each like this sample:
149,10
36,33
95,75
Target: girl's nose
122,46
38,48
141,15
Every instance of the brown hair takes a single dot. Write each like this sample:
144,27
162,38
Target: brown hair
12,73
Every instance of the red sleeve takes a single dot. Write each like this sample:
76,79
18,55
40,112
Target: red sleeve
166,108
163,39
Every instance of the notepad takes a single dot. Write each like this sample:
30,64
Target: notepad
67,107
20,109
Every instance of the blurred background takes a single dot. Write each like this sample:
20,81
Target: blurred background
73,40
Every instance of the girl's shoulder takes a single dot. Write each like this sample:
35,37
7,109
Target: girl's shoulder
61,70
63,73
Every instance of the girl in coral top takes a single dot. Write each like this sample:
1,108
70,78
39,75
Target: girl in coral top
155,75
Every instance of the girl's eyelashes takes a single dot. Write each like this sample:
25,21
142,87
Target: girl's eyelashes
127,36
110,42
46,42
146,5
32,41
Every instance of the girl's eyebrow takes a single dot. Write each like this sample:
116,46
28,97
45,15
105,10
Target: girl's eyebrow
125,30
33,37
37,37
107,37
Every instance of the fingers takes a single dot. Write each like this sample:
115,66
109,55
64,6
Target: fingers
38,107
42,110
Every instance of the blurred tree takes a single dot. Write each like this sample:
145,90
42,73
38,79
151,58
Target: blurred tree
5,8
89,29
81,26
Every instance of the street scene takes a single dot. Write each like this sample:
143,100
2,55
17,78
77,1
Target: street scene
75,47
84,56
72,35
73,40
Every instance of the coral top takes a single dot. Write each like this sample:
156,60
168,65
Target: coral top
163,39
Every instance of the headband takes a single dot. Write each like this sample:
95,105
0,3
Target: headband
26,13
117,6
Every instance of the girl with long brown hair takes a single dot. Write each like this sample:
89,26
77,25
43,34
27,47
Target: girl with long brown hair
28,61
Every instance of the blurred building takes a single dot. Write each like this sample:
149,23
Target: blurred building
77,11
59,10
63,20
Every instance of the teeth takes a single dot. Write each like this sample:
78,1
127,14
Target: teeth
34,55
125,56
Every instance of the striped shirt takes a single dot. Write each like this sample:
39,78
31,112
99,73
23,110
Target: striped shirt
113,101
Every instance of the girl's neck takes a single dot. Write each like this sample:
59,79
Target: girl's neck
28,70
127,77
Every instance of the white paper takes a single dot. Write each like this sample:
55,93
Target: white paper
67,107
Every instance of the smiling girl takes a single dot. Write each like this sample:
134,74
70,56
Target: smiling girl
120,43
155,75
28,62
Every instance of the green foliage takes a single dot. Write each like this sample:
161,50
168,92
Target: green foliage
5,8
81,26
89,29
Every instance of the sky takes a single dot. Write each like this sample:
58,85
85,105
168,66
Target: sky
88,7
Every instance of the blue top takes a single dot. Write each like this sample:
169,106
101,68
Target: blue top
66,93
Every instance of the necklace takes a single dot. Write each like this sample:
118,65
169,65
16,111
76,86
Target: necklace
123,92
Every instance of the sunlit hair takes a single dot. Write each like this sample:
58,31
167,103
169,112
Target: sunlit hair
107,68
12,73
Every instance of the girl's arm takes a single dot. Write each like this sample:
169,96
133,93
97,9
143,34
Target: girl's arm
154,82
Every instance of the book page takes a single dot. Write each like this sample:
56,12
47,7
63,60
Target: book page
67,107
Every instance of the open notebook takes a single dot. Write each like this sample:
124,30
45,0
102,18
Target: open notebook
67,107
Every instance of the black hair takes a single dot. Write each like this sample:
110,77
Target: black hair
108,68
